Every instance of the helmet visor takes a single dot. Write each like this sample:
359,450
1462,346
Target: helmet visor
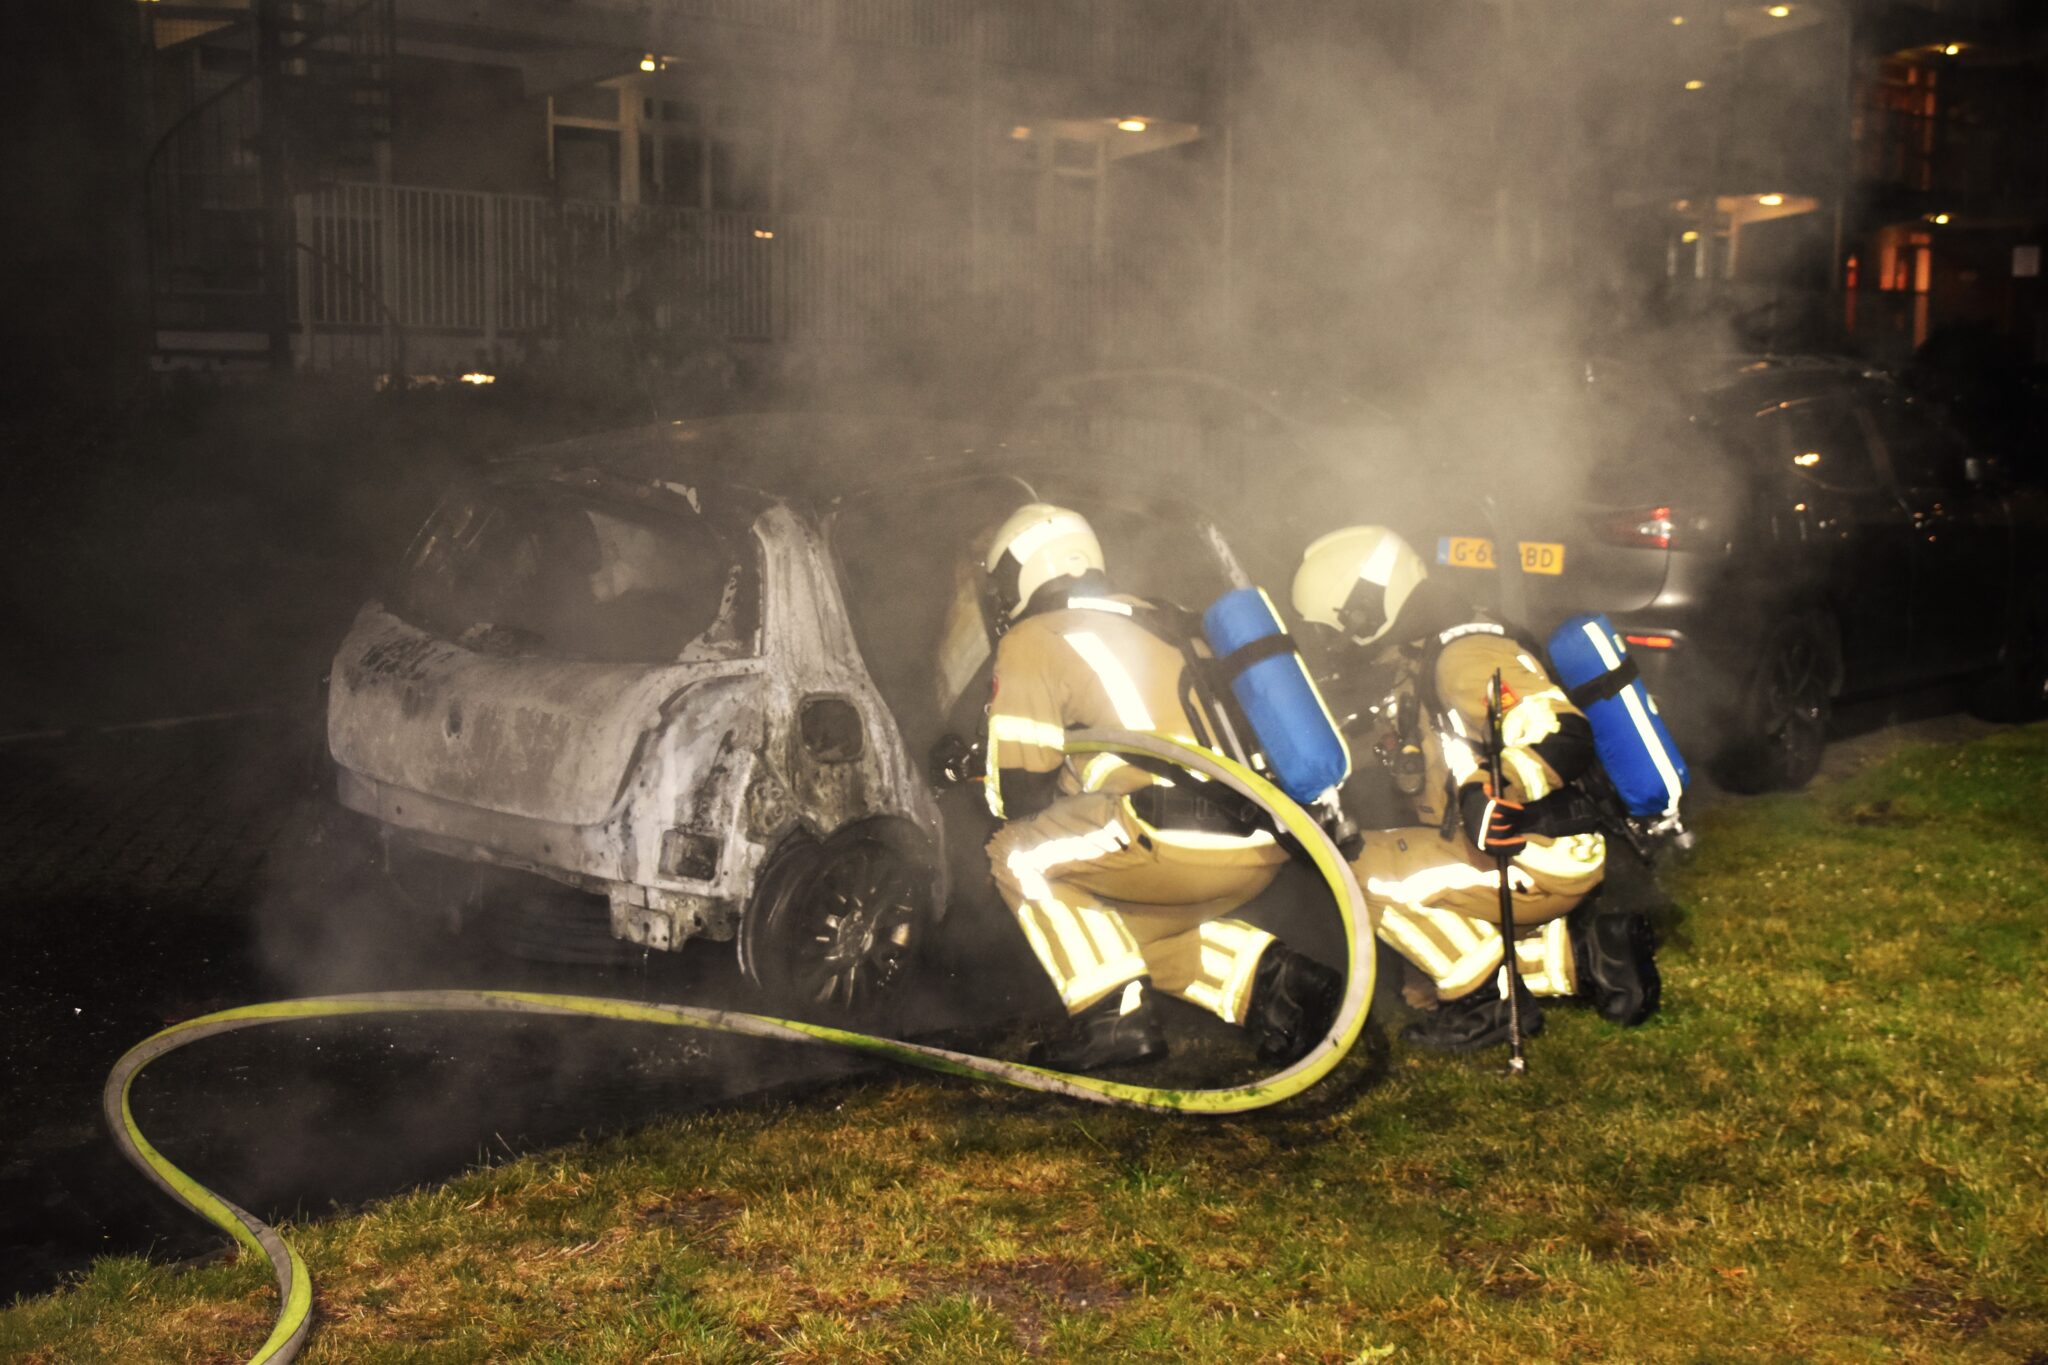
1364,613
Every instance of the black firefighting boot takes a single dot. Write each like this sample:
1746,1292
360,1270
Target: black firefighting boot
1614,956
1294,999
1121,1029
1473,1021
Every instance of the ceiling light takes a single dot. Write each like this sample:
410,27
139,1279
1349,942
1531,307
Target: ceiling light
1677,19
1695,85
1770,201
1131,125
1020,132
1938,219
764,233
1953,50
1690,237
1779,11
1808,460
649,62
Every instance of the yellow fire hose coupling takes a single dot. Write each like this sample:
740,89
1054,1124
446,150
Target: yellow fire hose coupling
295,1289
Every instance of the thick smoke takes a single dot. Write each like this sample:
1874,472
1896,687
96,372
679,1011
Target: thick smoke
1377,270
1392,240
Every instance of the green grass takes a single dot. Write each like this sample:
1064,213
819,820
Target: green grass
1832,1145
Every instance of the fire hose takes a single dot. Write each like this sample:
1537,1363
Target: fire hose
294,1284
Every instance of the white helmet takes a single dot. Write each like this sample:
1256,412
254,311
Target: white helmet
1038,543
1356,580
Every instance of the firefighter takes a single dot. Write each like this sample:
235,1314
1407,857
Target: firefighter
1420,659
1121,878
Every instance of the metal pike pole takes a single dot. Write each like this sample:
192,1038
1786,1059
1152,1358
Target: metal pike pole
1517,1064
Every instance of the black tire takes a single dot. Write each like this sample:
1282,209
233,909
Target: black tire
2018,690
1781,726
835,927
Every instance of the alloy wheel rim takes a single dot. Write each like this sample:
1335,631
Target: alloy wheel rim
861,931
1796,700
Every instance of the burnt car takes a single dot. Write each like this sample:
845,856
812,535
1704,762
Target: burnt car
690,673
1772,535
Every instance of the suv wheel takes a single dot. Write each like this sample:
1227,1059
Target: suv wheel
1781,728
834,926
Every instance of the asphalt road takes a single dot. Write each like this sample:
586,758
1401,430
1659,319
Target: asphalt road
157,872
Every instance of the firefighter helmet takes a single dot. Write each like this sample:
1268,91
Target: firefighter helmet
1037,544
1356,581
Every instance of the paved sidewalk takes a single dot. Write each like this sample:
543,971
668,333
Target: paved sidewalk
128,862
135,871
176,812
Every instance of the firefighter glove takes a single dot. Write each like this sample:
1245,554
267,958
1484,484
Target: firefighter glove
954,760
1494,824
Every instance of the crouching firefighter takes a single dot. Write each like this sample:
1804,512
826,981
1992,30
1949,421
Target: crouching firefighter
1121,877
1408,652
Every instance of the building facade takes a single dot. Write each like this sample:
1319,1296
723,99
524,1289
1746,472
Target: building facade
1859,174
437,184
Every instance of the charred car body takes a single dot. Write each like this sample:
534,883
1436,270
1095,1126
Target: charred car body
621,665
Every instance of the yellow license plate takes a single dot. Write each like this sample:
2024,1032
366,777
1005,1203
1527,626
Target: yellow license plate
1476,552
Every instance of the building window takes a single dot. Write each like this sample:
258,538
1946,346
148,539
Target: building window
586,162
721,158
1041,181
1897,129
584,145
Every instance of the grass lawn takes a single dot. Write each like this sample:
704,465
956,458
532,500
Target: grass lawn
1832,1145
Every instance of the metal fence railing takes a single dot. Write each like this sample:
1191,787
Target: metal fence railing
493,268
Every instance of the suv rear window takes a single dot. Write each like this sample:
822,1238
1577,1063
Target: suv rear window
544,570
1820,442
1925,455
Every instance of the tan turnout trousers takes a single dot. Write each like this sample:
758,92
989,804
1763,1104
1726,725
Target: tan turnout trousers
1436,899
1437,902
1103,897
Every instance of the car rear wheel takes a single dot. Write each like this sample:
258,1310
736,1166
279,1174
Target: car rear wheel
1782,726
835,926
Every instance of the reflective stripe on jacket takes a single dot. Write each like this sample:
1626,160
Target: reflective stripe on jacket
1531,704
1088,665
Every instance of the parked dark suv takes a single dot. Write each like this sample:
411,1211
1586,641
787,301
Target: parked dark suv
1772,536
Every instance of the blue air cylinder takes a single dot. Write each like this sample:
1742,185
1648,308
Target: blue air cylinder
1305,753
1593,666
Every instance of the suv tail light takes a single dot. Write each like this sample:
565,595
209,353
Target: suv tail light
1650,527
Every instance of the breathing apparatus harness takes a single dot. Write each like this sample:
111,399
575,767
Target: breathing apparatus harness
1209,702
1587,802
